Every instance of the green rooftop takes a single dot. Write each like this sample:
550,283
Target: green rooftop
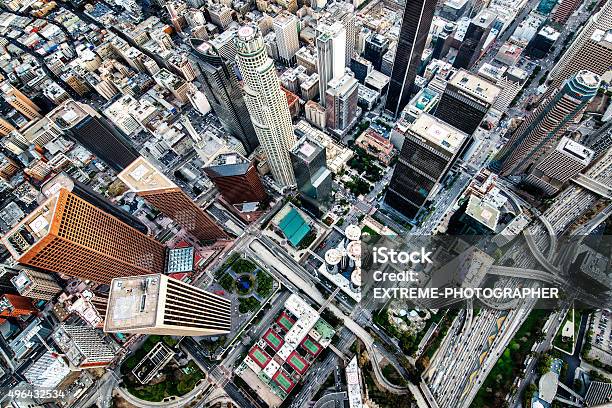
294,227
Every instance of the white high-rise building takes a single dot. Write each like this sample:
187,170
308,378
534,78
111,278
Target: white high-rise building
286,30
266,103
331,49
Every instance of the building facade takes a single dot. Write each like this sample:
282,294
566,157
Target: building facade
68,235
221,87
157,304
546,124
266,103
236,178
416,20
88,128
466,100
430,148
148,182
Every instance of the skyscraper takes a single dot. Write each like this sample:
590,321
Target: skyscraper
475,36
285,27
88,128
157,304
591,49
345,13
36,284
68,235
266,102
466,100
413,35
151,184
429,150
546,124
236,178
560,164
376,46
62,180
331,49
341,101
5,127
221,87
313,178
84,346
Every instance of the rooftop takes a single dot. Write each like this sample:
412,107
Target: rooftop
141,175
68,114
31,229
438,132
575,150
133,302
475,86
482,212
306,149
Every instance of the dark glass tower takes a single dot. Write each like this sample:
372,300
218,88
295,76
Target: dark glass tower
221,87
413,35
92,131
475,36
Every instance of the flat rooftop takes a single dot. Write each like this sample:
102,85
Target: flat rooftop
475,86
225,159
306,149
31,229
141,175
438,132
575,150
68,114
133,302
482,212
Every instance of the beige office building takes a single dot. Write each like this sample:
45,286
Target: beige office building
157,304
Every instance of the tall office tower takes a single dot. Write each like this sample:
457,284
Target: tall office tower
556,167
546,124
19,101
412,38
286,29
36,284
466,100
341,102
345,13
475,36
88,128
591,49
157,304
84,346
375,48
429,150
313,178
5,127
15,306
331,49
266,102
221,87
564,10
151,184
236,178
62,180
68,235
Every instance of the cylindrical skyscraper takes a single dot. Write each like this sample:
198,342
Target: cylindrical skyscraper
266,103
545,126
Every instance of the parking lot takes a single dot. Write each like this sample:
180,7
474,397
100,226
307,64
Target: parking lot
601,341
